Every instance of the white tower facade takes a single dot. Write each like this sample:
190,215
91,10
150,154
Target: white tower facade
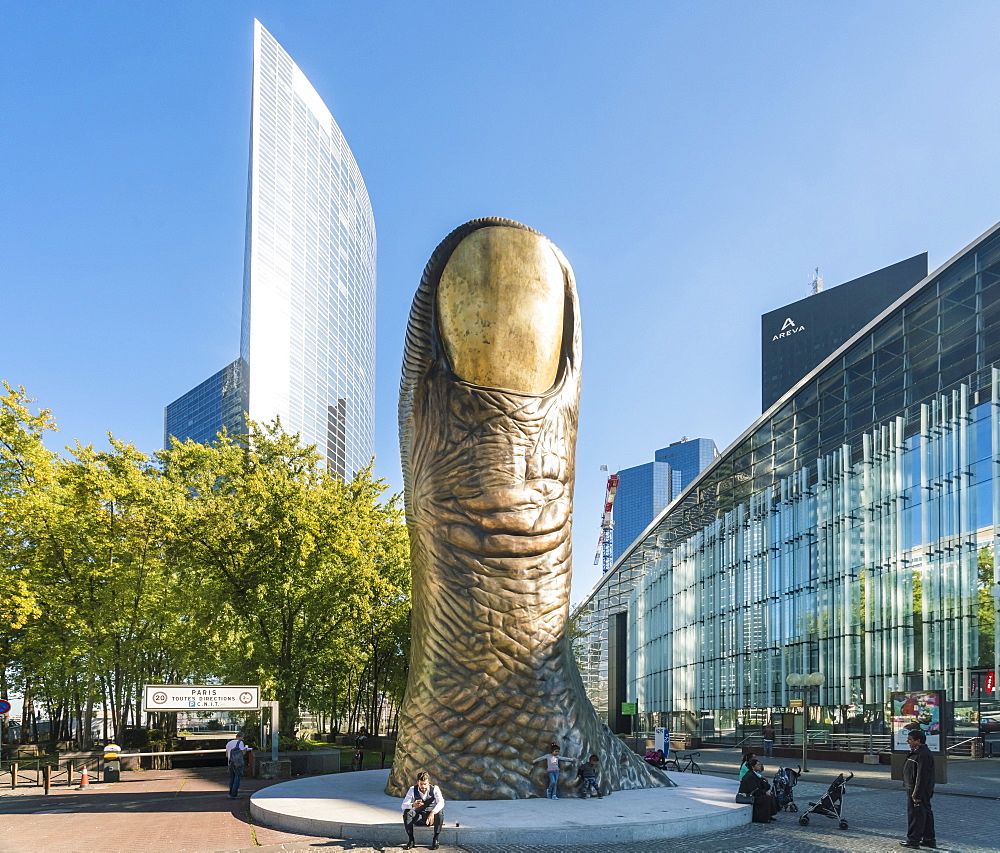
308,332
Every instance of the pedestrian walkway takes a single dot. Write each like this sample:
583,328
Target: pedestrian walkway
152,811
355,806
187,811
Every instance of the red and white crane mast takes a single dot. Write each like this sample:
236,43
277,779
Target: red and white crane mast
605,544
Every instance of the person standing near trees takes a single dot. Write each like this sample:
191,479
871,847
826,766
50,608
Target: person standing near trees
358,762
236,755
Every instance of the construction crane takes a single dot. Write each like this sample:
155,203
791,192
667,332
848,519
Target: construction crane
606,543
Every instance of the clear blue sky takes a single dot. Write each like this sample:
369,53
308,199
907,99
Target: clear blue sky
695,161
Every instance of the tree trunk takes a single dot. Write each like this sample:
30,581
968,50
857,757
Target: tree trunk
4,687
88,714
28,714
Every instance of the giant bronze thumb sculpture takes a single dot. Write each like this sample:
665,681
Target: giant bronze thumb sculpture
487,422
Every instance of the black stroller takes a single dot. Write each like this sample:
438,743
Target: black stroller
831,803
784,780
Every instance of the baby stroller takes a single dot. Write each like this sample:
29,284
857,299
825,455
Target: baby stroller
784,780
830,803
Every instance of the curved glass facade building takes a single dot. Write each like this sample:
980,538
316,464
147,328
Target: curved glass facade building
308,331
307,348
852,530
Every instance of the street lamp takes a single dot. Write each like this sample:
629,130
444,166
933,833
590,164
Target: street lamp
803,682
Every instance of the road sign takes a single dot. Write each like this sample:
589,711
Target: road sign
4,706
200,697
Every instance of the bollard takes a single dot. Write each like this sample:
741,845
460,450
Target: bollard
13,775
112,766
47,777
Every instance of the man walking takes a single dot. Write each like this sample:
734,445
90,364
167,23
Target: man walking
918,779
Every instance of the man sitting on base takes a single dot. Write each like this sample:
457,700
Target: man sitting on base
423,806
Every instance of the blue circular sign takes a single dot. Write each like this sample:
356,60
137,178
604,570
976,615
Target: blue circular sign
4,706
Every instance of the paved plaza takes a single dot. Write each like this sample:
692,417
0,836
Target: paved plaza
187,811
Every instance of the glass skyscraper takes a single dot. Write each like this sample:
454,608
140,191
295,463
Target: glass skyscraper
852,530
308,330
645,490
219,402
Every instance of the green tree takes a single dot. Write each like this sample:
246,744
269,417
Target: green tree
292,558
83,583
239,561
26,472
987,607
99,565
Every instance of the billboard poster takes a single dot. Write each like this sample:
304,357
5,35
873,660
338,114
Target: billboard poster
918,709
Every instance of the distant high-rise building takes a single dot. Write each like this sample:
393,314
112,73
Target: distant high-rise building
218,402
308,330
645,490
797,337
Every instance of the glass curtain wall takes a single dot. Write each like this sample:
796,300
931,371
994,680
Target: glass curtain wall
851,530
308,329
827,571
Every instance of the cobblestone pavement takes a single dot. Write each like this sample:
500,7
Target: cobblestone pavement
876,818
187,812
966,809
169,811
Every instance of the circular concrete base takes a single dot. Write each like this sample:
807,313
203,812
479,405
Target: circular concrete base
354,806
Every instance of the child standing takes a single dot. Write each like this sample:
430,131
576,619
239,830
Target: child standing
552,766
588,779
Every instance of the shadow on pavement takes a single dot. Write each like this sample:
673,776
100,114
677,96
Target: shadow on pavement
200,789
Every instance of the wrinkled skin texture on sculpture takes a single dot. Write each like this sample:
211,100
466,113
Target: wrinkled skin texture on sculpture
488,475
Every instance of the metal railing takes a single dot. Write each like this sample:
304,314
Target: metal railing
818,738
124,755
44,773
822,739
956,745
962,745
